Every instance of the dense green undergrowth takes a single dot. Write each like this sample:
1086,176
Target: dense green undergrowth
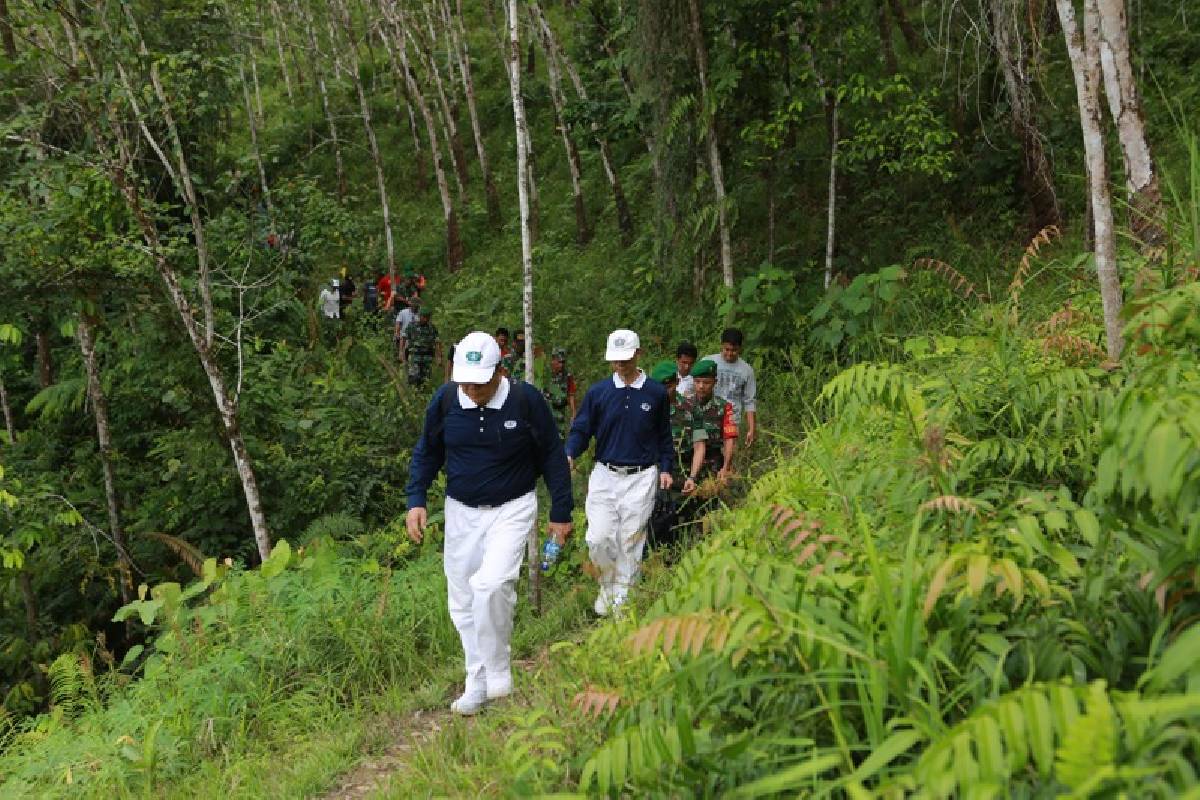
976,578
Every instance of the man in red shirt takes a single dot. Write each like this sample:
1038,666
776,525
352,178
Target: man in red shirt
384,284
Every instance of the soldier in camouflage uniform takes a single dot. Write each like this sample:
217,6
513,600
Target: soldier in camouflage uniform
714,416
423,348
559,389
666,518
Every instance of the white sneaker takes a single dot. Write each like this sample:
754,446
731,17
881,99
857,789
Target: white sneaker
497,689
470,702
601,605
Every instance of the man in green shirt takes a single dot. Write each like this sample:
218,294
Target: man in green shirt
559,389
714,417
420,347
689,450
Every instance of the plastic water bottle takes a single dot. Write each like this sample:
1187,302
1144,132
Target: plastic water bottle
550,551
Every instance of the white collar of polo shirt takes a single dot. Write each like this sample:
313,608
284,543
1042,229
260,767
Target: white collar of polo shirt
637,383
497,399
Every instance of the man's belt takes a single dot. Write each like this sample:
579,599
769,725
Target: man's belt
626,469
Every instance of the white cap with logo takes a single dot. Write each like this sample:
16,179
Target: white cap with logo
622,345
475,358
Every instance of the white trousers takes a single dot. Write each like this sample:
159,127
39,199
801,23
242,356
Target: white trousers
483,554
618,508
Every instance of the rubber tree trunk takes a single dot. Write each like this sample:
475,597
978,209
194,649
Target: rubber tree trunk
29,597
99,403
9,425
522,136
1037,176
1083,47
885,38
624,216
583,231
911,39
277,20
376,157
454,247
6,32
462,48
1125,105
45,359
714,150
407,110
457,152
319,75
252,122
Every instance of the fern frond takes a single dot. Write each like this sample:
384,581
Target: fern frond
685,633
333,526
1042,237
960,283
1062,319
596,702
56,401
1072,348
185,551
951,504
72,684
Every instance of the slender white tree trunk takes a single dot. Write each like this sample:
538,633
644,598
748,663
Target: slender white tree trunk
277,20
376,157
831,202
99,402
454,247
1125,105
257,90
402,93
624,217
8,415
583,232
714,150
251,120
514,79
458,154
323,89
1083,47
462,48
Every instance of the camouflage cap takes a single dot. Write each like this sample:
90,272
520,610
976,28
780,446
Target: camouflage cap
559,352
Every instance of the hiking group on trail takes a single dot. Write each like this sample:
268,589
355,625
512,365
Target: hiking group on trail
661,455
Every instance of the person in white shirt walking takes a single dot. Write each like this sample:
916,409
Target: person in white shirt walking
629,415
330,301
735,383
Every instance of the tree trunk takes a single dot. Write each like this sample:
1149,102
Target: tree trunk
831,201
458,153
6,33
44,358
376,158
885,38
1125,104
25,582
522,136
1083,47
454,247
258,101
624,216
99,402
1037,176
911,39
252,122
714,151
185,185
127,183
459,36
402,92
583,232
8,415
319,75
277,21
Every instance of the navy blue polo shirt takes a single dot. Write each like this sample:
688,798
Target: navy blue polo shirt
490,453
631,424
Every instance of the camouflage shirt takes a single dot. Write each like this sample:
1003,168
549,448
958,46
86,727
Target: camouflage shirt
422,340
685,431
715,423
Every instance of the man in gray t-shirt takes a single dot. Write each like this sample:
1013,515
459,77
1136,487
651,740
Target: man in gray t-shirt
735,381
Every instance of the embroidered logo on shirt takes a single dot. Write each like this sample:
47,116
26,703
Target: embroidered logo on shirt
510,424
474,357
645,406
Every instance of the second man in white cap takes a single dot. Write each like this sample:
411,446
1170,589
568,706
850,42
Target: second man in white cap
629,416
494,437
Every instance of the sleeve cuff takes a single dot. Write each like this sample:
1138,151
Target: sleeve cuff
558,514
417,500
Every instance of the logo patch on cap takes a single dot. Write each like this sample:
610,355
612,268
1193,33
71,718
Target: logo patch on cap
474,357
645,406
618,342
511,424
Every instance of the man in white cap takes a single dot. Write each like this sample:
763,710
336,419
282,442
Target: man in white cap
630,417
494,437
